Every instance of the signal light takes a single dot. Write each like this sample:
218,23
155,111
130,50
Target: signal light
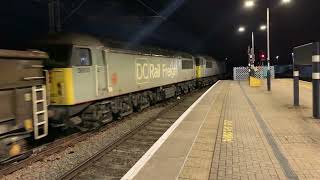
262,56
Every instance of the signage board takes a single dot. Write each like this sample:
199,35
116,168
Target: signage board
303,54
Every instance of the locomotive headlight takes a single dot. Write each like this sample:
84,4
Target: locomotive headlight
15,150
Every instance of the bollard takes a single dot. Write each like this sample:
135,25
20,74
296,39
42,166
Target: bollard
296,88
316,85
269,79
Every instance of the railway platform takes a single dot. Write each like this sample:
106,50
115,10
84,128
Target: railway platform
235,131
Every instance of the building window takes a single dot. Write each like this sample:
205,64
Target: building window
187,64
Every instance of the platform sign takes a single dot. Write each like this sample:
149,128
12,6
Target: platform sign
303,54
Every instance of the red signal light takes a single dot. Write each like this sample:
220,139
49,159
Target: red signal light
262,56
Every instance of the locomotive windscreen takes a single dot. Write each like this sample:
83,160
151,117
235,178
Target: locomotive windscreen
59,55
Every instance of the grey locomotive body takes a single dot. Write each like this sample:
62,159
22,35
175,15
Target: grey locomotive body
100,82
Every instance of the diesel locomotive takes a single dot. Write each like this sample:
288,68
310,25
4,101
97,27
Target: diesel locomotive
91,82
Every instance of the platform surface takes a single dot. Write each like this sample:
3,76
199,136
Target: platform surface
239,132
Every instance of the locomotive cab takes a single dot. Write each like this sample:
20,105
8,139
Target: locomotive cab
73,61
83,64
77,76
206,68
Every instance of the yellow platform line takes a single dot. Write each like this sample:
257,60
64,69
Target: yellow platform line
301,83
227,131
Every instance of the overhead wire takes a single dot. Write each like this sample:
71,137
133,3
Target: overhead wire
74,10
150,8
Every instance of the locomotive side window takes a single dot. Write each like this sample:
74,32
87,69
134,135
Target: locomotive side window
187,64
82,57
209,64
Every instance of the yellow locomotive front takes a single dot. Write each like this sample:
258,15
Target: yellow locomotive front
60,74
61,86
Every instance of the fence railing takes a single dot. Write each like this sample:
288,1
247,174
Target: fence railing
242,73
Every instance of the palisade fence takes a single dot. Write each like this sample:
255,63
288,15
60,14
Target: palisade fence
242,73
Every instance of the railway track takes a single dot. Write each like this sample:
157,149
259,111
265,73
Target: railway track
116,158
39,153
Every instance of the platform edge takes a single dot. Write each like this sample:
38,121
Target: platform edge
147,156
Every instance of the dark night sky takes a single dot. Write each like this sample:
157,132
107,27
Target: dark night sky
197,26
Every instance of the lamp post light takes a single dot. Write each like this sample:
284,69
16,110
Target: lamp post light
263,27
241,29
268,47
250,4
286,1
251,51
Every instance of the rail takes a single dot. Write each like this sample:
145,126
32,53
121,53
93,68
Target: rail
108,148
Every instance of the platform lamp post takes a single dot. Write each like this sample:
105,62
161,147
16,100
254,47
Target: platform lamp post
251,4
251,53
252,58
251,50
268,47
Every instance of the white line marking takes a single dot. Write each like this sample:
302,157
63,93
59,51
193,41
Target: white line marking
147,156
195,139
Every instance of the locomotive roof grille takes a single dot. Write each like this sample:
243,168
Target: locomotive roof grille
207,57
113,46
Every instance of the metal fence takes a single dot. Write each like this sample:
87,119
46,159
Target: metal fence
242,73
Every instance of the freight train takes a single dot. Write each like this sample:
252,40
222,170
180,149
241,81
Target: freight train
87,83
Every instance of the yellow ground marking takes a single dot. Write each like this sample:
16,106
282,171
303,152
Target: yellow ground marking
227,131
304,84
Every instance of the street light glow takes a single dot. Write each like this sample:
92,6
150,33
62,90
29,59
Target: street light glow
241,29
286,1
249,3
263,27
